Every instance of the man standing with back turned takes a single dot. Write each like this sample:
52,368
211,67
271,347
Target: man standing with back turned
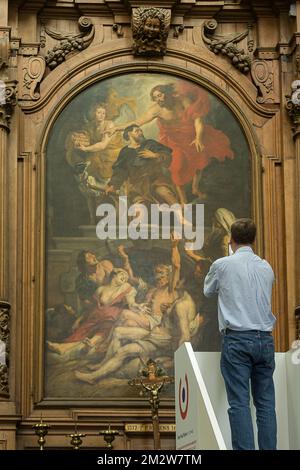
243,283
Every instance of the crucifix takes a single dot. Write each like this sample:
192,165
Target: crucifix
152,380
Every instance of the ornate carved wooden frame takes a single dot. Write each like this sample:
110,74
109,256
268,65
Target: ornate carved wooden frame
57,89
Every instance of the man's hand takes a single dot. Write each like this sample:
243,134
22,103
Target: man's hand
147,154
198,144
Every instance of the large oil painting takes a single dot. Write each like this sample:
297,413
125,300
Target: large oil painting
111,304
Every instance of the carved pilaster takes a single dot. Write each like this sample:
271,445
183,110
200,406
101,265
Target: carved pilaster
8,100
4,348
274,236
293,109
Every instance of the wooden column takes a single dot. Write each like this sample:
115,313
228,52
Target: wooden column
7,103
293,108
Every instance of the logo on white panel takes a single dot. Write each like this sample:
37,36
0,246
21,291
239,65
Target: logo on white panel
184,397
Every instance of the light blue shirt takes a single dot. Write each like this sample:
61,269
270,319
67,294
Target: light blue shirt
243,283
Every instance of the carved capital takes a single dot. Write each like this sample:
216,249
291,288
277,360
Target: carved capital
4,348
226,45
8,99
150,29
293,107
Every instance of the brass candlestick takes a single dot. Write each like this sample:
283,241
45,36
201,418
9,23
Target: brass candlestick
109,436
41,429
152,380
76,440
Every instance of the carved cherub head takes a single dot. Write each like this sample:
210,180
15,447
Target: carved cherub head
150,28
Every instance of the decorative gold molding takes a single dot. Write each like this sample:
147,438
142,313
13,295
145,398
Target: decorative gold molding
8,99
4,348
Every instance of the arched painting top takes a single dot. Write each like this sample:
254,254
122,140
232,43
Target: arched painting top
113,302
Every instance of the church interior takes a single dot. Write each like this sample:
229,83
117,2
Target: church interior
90,318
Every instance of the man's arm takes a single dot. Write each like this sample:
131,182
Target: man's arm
126,264
148,116
101,145
198,135
211,282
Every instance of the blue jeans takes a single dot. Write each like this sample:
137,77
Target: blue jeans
248,356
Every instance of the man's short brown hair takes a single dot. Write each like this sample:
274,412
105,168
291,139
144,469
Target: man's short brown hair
243,231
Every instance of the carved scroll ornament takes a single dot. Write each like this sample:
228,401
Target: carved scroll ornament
150,29
262,75
69,43
4,348
32,75
227,45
